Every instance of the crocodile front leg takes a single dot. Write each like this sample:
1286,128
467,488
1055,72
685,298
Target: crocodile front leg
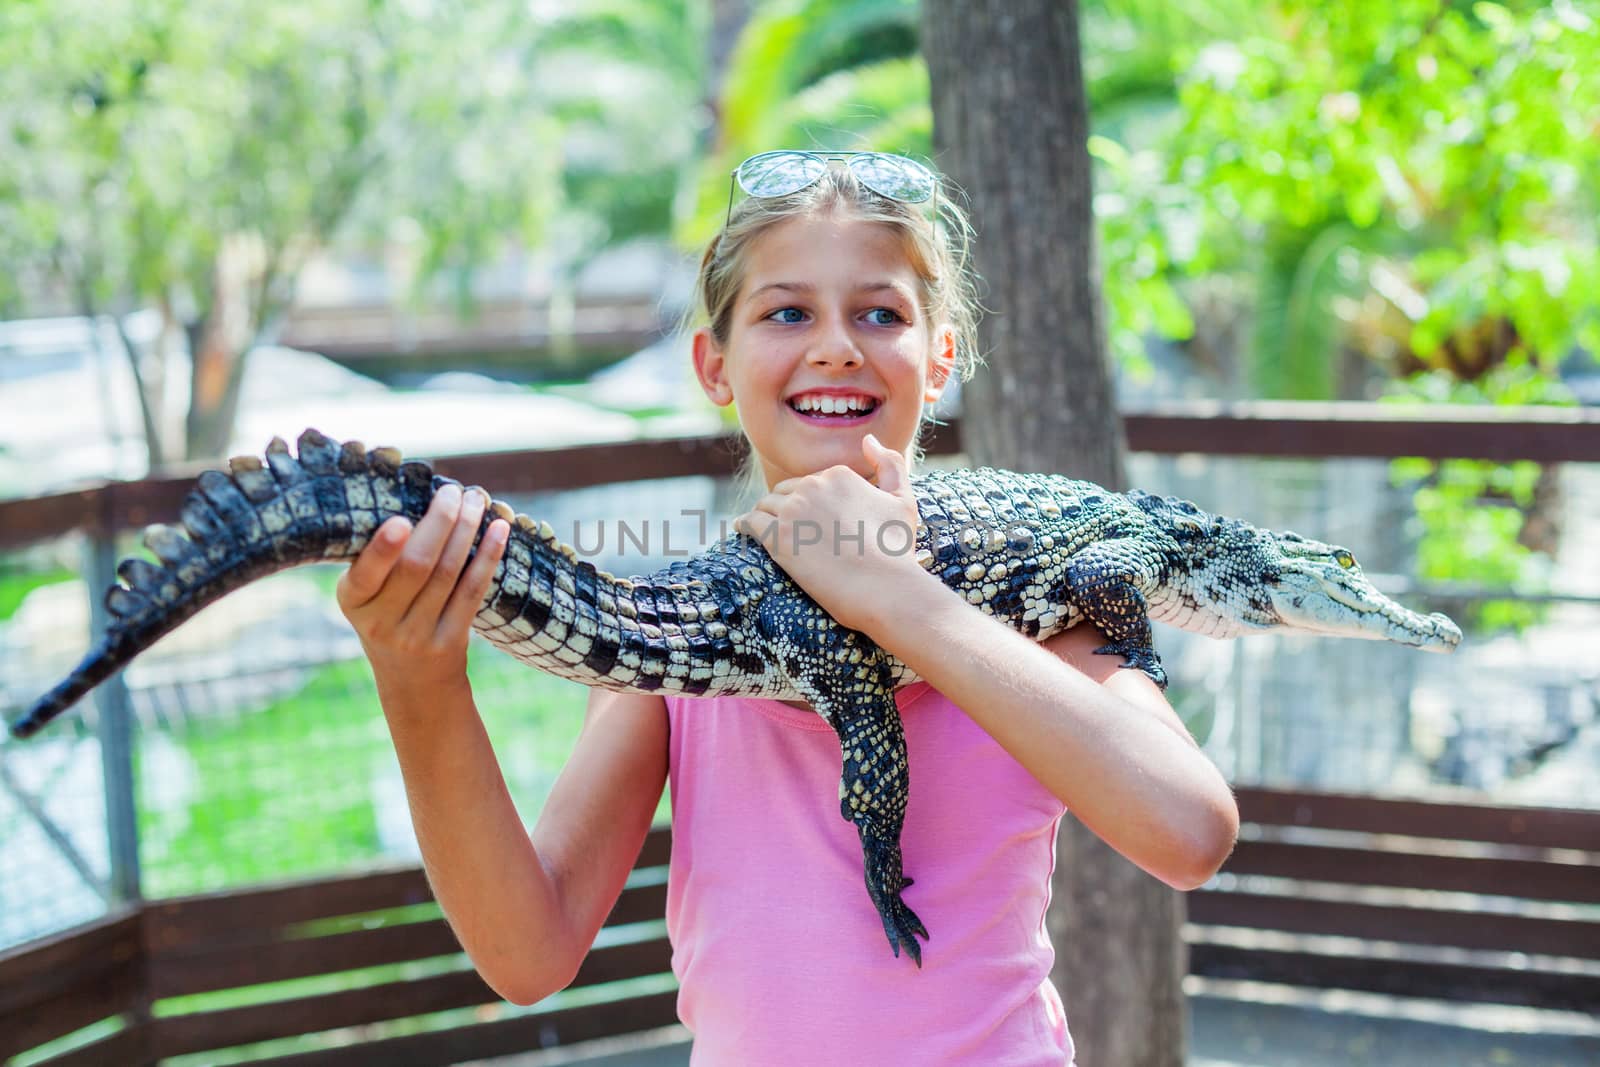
873,790
1105,581
846,678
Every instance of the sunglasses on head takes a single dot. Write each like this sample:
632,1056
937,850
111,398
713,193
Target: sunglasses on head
779,173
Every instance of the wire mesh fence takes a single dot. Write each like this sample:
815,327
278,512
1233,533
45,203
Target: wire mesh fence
261,754
1513,715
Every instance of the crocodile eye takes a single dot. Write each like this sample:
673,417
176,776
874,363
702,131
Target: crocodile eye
1345,559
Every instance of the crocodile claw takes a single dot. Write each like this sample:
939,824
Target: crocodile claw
885,881
1141,656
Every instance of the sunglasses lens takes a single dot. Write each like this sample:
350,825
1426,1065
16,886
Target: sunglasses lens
779,173
895,177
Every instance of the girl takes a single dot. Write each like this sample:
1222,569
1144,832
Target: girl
836,312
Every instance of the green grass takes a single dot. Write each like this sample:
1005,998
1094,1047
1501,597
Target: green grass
261,771
295,789
15,585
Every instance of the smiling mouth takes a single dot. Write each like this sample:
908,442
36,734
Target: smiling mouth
833,407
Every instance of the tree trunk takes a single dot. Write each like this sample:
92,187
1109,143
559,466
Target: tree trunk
1011,128
218,346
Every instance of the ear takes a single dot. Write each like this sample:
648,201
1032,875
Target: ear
941,362
711,367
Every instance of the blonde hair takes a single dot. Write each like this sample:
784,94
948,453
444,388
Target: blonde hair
937,248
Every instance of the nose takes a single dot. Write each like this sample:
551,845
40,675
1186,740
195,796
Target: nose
834,348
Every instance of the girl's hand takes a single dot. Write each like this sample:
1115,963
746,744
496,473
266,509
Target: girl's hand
848,543
411,594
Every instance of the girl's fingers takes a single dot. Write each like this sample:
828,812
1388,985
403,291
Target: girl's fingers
474,584
756,523
456,543
769,504
412,571
364,580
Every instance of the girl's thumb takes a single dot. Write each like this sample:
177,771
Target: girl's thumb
890,465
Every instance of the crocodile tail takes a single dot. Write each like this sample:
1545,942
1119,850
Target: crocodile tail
235,527
680,631
95,668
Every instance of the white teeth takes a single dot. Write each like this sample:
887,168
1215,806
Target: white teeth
833,405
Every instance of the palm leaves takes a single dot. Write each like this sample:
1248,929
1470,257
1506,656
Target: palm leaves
836,74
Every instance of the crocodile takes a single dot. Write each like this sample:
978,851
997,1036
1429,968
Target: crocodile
1039,551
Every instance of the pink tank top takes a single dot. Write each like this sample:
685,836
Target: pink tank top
780,956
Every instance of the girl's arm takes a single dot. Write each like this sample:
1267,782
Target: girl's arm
1102,739
526,909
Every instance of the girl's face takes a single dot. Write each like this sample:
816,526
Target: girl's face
827,342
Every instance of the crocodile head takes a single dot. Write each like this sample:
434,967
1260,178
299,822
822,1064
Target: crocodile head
1226,577
1319,588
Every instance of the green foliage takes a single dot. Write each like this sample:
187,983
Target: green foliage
17,582
192,156
1415,184
625,82
1137,281
793,44
1470,515
1444,153
846,74
825,74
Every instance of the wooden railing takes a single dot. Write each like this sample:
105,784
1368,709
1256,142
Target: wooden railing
1379,431
385,331
1515,888
125,966
1310,898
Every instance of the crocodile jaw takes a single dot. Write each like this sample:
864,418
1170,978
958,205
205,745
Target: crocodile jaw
1347,605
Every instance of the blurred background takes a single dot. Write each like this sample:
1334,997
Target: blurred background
469,227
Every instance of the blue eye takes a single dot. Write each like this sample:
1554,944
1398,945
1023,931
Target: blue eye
778,315
894,316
